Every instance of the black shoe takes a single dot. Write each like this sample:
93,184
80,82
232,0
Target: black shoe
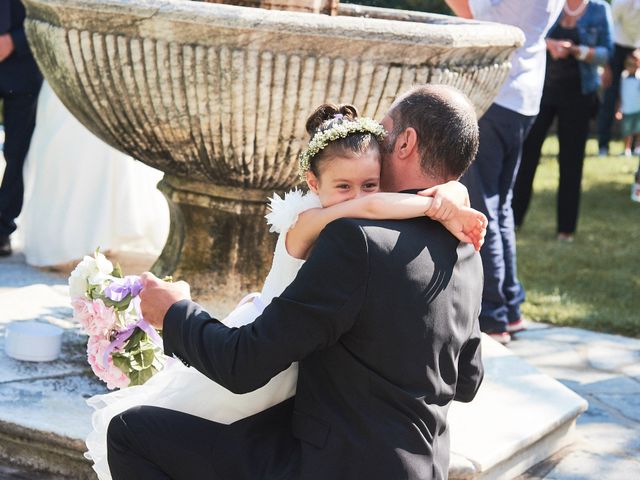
5,246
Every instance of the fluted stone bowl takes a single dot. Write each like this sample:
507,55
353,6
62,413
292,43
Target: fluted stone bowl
216,96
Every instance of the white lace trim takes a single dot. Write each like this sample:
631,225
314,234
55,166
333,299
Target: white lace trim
284,212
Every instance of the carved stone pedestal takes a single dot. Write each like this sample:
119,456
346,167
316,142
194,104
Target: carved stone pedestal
218,241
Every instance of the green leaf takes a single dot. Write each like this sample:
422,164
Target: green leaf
138,377
134,340
120,306
144,359
117,271
122,362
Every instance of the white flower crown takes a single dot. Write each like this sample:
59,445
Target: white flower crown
340,130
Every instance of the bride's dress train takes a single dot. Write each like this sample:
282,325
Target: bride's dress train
80,193
187,390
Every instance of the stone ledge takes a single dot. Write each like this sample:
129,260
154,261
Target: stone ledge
519,418
44,451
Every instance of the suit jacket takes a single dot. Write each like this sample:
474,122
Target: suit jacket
19,73
383,318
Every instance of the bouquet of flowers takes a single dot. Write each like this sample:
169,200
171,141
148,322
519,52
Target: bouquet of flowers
123,349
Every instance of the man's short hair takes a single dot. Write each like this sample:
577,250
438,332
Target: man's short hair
446,126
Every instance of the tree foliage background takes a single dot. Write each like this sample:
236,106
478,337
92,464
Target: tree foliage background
433,6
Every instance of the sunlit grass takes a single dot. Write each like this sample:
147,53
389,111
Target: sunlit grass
593,282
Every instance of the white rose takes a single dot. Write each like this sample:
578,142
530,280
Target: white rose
101,270
104,265
77,285
85,268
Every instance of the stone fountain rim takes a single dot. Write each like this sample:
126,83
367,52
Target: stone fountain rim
459,33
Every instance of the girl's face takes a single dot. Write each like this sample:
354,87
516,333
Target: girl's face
343,179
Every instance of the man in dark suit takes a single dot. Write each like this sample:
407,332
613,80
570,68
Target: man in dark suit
383,318
20,82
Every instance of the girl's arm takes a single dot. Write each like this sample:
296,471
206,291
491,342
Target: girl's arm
392,206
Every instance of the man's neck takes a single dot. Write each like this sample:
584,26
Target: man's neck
420,182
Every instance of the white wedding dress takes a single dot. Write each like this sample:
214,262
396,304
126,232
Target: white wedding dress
186,389
81,194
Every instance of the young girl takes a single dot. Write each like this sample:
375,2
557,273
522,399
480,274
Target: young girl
630,101
342,168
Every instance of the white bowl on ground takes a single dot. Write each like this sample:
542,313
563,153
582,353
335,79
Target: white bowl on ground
32,341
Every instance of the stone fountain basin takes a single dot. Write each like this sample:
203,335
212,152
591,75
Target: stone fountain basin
219,93
217,96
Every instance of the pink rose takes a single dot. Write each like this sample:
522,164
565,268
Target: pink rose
94,316
109,373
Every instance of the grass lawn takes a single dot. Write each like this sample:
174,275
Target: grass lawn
593,282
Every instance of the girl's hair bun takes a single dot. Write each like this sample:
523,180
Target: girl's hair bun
327,112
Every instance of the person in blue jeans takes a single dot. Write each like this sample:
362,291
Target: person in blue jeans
577,44
503,129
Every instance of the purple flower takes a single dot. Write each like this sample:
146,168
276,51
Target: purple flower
119,288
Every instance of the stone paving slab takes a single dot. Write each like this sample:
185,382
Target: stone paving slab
603,369
48,304
55,405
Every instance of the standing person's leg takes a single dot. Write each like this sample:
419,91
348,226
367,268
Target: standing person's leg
19,122
573,131
529,164
147,443
483,181
611,94
512,288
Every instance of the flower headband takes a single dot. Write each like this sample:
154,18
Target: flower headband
341,130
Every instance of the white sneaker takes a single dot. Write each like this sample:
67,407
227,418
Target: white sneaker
519,325
503,337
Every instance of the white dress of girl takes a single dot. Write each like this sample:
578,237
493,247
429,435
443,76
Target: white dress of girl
177,387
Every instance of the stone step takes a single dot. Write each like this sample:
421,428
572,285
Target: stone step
519,418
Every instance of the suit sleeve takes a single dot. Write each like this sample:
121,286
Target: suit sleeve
320,305
470,369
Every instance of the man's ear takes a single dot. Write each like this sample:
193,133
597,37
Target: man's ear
407,143
312,181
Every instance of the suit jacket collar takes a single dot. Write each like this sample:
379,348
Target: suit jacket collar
412,191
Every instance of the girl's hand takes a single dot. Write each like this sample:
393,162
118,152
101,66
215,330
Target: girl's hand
447,199
469,226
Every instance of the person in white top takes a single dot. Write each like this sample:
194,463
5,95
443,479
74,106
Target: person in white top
626,36
503,129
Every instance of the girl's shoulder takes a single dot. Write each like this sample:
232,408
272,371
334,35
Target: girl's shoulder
284,211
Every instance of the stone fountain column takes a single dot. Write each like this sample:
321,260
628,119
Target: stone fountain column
216,96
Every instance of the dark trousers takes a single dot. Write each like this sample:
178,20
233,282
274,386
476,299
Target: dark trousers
611,95
147,443
19,121
574,115
490,182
